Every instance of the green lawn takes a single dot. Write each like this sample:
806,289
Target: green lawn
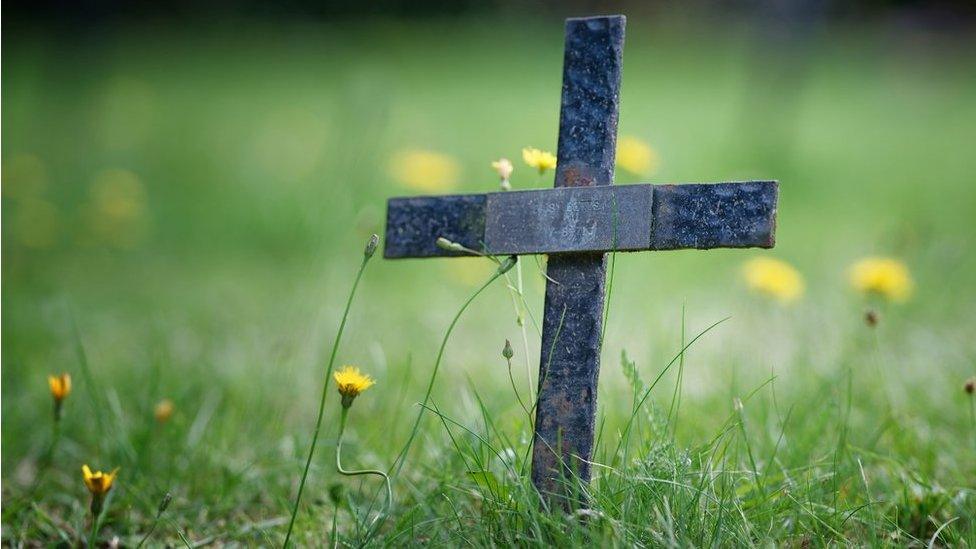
196,201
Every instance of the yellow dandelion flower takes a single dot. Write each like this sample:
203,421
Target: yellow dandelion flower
425,171
774,278
98,483
60,386
163,410
540,160
882,276
636,156
350,382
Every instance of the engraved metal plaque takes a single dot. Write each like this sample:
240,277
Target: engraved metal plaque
569,219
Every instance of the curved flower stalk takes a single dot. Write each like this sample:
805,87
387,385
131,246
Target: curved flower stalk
367,254
350,383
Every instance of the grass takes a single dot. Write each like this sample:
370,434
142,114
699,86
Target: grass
259,158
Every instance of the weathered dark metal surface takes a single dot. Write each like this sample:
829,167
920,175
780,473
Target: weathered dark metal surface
723,215
414,224
592,65
570,361
717,215
569,219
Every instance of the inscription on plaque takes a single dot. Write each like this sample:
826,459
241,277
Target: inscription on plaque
569,219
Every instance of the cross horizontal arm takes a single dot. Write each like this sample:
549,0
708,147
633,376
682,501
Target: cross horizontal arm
586,219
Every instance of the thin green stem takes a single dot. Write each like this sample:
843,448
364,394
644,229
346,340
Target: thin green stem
325,391
543,374
97,397
149,533
528,364
159,515
841,450
625,436
972,416
152,529
98,511
338,461
613,262
525,337
518,397
401,457
48,458
676,395
518,296
335,528
882,378
752,459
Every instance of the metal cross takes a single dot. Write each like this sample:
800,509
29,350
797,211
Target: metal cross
576,224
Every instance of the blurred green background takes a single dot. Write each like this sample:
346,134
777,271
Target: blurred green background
197,195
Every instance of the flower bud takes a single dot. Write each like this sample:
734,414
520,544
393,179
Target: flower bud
507,264
871,318
164,503
60,386
371,246
99,484
507,352
970,386
337,493
446,244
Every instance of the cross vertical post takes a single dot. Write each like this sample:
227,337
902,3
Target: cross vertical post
577,223
572,325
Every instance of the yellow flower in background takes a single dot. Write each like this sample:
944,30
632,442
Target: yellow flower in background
540,160
117,207
636,156
350,382
425,171
60,386
774,278
98,483
882,276
60,389
163,410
